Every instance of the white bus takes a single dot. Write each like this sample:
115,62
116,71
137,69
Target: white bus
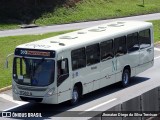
67,66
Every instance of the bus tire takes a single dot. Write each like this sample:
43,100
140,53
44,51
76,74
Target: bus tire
125,78
75,95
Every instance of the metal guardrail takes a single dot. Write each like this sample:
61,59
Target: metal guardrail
143,107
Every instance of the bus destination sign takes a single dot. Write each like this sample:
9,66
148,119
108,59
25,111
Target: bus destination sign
34,53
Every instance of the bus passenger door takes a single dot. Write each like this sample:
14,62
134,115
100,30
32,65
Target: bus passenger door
120,56
108,65
93,67
108,68
63,80
92,77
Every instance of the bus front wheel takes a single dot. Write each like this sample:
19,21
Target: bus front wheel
75,96
125,77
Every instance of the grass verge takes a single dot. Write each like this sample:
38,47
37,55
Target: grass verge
4,26
156,24
98,9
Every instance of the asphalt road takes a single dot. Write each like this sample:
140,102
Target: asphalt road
99,100
55,28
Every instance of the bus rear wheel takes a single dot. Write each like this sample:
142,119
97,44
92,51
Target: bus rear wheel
75,95
125,77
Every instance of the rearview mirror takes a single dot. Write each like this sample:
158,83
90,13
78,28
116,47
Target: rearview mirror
6,64
63,64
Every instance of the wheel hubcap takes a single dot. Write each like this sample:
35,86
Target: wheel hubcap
75,96
125,78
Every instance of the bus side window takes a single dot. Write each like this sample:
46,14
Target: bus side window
93,54
106,50
62,74
120,46
78,57
132,42
144,38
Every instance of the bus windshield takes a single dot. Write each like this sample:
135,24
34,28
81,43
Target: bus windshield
33,72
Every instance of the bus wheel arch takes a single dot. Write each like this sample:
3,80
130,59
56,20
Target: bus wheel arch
126,74
76,93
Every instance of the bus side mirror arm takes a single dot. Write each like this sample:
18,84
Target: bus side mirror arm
63,64
6,63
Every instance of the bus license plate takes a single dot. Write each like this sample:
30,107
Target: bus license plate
25,93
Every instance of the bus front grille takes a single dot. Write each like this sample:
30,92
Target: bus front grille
31,88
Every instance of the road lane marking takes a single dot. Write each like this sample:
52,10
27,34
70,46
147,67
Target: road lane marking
11,108
9,98
101,104
157,57
157,49
97,106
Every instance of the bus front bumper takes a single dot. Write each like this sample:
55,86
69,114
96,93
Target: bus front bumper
47,100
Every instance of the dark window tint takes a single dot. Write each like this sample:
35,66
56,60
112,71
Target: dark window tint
106,50
132,42
144,38
93,54
120,46
62,74
78,58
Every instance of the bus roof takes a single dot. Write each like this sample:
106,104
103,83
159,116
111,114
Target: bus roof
87,36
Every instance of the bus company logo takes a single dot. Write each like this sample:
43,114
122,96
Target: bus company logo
23,52
38,46
6,114
20,115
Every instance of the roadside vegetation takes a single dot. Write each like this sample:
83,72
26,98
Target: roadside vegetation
67,11
8,45
156,26
99,9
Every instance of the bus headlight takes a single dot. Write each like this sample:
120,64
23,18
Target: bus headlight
50,92
14,89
